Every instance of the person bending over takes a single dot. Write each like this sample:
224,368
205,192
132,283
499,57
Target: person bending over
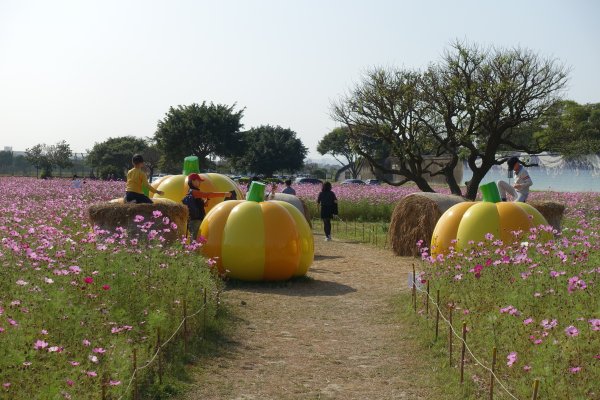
520,190
195,202
137,181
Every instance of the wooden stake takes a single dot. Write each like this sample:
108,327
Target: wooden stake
450,335
462,353
375,234
492,379
363,229
218,301
204,316
158,348
427,300
103,384
536,386
185,328
437,315
414,289
135,394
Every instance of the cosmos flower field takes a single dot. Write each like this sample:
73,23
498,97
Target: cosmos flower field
75,302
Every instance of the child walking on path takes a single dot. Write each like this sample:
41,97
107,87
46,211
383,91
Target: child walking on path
194,200
137,181
520,190
327,202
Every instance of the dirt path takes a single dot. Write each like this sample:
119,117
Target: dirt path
335,336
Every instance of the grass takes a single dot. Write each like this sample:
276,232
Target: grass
538,304
372,233
75,302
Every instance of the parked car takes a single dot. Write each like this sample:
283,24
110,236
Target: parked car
353,182
308,181
373,182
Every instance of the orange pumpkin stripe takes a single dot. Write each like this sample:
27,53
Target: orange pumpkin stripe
282,244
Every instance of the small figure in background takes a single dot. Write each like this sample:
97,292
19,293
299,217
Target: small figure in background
76,182
195,202
327,202
137,181
288,188
520,190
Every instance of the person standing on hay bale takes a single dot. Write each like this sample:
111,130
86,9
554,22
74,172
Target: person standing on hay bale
194,201
520,190
327,202
137,181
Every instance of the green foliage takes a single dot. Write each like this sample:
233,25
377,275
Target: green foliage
108,171
571,129
116,153
6,159
467,105
47,157
338,144
272,148
202,130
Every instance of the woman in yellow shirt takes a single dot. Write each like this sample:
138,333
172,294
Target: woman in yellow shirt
137,181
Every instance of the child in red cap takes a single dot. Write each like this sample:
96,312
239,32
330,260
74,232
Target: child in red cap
194,200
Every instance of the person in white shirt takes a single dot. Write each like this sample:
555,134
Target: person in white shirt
288,188
520,190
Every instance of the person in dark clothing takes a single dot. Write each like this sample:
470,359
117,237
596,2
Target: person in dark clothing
327,202
195,200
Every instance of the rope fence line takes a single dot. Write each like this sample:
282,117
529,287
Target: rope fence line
159,348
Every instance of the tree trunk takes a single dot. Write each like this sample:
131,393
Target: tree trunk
451,181
423,184
473,187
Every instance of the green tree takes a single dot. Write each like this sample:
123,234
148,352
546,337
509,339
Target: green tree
470,104
271,148
203,130
571,129
152,156
6,159
115,153
337,143
38,157
60,155
21,164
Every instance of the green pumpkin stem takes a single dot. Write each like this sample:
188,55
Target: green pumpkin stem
191,165
256,192
490,192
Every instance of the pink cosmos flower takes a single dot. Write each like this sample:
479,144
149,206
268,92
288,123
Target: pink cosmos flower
572,331
105,287
138,218
86,342
54,349
527,368
527,321
114,383
26,363
89,280
92,374
93,358
75,269
6,385
44,332
70,382
99,350
21,282
40,344
595,323
574,370
546,324
156,214
74,363
511,358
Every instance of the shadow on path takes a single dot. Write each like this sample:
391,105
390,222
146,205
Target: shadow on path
300,287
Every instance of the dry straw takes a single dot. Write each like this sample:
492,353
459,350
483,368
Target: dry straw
414,219
552,211
110,215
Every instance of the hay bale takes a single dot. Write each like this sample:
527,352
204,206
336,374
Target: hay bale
114,214
552,211
295,201
414,219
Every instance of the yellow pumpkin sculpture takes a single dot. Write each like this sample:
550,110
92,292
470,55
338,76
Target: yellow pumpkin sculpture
470,222
255,240
175,187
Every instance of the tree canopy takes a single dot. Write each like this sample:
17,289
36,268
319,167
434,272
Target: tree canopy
202,130
115,154
470,103
337,143
268,149
47,157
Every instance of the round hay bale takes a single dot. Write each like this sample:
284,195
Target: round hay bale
295,201
551,210
414,219
111,215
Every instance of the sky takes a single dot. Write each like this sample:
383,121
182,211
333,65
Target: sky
84,70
